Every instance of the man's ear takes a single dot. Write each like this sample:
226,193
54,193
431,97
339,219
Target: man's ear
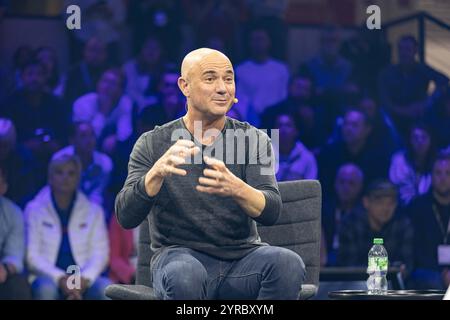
184,86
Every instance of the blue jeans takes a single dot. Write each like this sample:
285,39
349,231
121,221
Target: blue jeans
44,288
266,273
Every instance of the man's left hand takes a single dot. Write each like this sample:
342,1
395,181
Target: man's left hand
218,179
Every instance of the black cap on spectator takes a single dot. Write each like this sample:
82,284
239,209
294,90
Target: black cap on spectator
381,188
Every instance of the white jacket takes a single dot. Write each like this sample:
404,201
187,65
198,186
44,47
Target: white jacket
87,232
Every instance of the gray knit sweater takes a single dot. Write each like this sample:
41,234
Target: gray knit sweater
179,215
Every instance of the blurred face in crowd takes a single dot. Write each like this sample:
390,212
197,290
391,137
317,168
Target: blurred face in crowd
95,53
420,141
22,55
380,209
300,88
407,51
348,184
151,52
168,86
84,139
47,57
33,77
110,85
207,80
329,43
369,107
441,177
354,129
288,131
259,43
64,178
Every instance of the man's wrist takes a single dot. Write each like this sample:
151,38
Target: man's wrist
240,190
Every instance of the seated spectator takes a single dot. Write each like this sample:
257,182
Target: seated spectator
22,55
300,103
411,168
261,81
13,285
438,118
353,147
430,215
163,19
54,83
345,200
83,77
379,219
65,229
96,166
39,116
295,162
123,253
108,110
384,132
170,103
404,86
143,74
330,72
18,165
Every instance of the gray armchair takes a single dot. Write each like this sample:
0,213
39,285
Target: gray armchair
298,229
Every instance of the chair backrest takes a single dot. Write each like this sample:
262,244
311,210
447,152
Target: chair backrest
297,229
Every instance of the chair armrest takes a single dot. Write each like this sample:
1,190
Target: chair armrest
129,292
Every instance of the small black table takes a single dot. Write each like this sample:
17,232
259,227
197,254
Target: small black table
390,295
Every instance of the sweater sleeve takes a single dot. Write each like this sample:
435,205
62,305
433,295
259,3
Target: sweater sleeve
132,202
260,175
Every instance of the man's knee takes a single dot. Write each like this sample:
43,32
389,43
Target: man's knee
97,290
184,279
286,262
44,288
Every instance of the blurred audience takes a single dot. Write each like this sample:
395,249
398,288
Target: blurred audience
123,254
295,162
83,76
403,87
54,83
143,73
96,166
345,200
411,167
108,110
381,218
13,284
430,214
18,165
353,147
64,230
261,81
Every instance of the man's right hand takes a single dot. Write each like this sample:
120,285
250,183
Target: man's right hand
167,165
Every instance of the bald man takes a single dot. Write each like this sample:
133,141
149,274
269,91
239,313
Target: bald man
203,214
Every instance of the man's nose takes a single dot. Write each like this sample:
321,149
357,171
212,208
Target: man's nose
220,87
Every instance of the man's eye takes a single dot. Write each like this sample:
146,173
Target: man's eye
209,79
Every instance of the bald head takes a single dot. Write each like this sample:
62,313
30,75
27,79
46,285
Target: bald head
349,183
194,57
207,82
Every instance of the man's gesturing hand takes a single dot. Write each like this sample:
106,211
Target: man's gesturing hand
167,165
218,180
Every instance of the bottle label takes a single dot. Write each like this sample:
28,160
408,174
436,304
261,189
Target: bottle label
378,264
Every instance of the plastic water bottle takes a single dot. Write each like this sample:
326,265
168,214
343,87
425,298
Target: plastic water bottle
377,269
